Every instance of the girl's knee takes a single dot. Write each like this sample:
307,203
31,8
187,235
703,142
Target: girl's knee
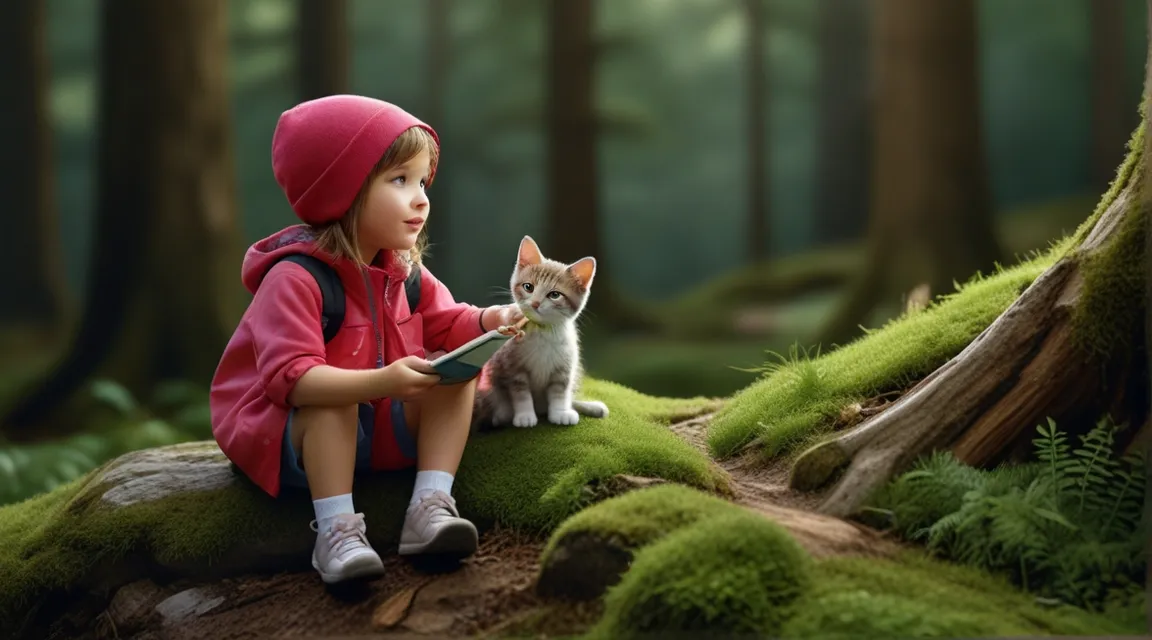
316,417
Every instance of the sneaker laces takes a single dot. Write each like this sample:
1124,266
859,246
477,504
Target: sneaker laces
438,507
347,533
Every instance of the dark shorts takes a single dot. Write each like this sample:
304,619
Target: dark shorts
292,467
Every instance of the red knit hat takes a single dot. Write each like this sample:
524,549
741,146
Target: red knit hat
324,149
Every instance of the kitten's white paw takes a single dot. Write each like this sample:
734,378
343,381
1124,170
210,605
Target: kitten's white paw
524,420
563,416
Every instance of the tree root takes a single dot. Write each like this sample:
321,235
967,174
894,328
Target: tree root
1023,367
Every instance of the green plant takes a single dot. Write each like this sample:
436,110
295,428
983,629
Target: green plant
1066,526
178,413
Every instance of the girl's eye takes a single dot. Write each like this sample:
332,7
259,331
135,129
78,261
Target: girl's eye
399,180
423,183
554,295
527,286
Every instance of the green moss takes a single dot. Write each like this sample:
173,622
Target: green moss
733,574
797,399
1126,171
914,596
535,478
640,517
1111,306
530,479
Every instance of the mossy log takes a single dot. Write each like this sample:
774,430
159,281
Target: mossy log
1033,362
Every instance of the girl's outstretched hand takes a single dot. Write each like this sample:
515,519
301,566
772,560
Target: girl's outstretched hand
502,315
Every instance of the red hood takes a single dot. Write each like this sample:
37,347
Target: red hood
298,239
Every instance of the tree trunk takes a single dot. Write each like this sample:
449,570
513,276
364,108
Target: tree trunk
841,207
931,215
33,288
1112,120
571,127
439,40
163,293
1025,367
757,114
1146,210
570,105
322,50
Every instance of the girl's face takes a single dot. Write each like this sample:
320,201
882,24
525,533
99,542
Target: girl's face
395,209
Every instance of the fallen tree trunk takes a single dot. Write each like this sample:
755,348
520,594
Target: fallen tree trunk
1025,367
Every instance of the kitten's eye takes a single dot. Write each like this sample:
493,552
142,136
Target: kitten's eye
554,295
527,286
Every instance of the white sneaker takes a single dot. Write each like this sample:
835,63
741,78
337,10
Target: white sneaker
343,551
434,526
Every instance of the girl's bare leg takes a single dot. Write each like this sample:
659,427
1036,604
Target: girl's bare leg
439,422
325,439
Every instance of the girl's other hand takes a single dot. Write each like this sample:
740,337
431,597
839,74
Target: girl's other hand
406,378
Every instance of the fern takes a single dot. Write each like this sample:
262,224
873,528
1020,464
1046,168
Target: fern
29,469
1066,526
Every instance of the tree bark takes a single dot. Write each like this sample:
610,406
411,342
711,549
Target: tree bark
570,105
571,128
33,287
1112,120
322,50
163,294
1023,368
931,214
844,134
757,115
439,40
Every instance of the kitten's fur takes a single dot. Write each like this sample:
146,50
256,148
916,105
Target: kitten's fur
539,373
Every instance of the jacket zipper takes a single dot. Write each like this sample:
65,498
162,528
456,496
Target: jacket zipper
375,316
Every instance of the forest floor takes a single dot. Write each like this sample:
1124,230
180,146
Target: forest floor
490,594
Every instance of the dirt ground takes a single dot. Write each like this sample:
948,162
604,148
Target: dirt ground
488,594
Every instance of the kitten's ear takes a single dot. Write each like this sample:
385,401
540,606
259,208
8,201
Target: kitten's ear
583,269
529,253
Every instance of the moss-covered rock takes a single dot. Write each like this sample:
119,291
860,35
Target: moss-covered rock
798,399
182,511
734,574
915,596
590,550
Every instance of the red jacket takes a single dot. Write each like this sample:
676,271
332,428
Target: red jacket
279,338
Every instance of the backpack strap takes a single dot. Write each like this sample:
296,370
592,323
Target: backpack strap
331,292
412,288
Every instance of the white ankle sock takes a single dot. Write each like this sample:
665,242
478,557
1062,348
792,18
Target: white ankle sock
329,508
429,481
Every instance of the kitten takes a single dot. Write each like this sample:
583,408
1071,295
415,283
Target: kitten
538,372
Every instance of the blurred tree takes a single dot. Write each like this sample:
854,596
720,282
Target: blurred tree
322,52
573,222
572,125
439,39
1112,119
931,212
844,125
32,289
163,293
756,86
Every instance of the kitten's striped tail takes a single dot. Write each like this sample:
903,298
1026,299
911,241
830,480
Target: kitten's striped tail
590,408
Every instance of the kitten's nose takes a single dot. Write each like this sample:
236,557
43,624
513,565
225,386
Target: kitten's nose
535,304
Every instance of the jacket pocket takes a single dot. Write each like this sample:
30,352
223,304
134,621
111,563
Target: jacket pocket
412,330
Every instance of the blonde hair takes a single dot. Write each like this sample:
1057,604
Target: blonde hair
340,238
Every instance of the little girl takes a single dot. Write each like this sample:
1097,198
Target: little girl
290,409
